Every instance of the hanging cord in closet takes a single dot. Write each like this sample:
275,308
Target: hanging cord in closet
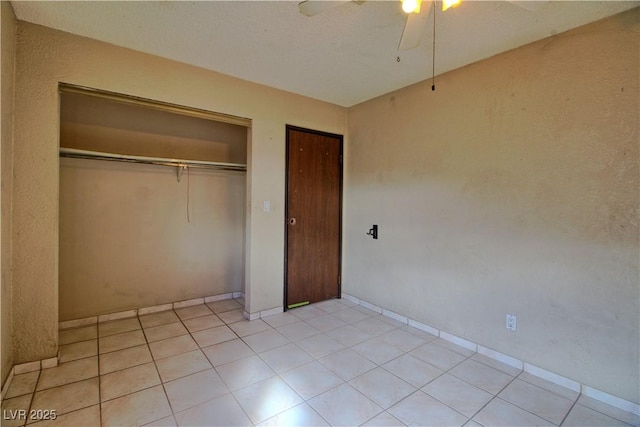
188,191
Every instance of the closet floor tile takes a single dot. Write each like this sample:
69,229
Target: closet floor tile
125,358
161,332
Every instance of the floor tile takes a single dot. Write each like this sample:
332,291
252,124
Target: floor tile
223,411
244,372
330,305
374,326
536,400
160,318
172,346
349,315
82,417
118,326
193,311
169,421
402,340
366,311
384,419
287,357
354,407
581,416
68,336
12,411
249,327
68,397
500,413
509,370
121,341
231,316
425,336
208,337
224,305
311,379
128,381
266,340
415,409
549,386
349,336
609,410
192,390
457,394
22,384
123,359
162,332
437,356
325,322
203,322
267,398
291,368
281,319
382,387
301,415
453,347
78,350
320,345
482,376
307,312
412,370
298,331
67,373
227,352
137,408
347,364
182,365
378,351
393,322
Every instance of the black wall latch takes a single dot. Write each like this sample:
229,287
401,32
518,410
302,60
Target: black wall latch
373,231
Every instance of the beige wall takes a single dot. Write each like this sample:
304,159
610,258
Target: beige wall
126,241
513,188
46,57
7,40
91,123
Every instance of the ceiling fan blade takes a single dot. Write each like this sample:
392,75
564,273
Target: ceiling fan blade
415,26
530,5
314,7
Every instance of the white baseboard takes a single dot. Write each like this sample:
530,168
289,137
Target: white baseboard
568,383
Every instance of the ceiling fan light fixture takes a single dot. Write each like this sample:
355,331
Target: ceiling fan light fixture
411,6
446,4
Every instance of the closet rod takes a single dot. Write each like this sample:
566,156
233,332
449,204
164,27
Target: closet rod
97,155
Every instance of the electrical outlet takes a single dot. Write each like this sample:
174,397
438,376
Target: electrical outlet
511,322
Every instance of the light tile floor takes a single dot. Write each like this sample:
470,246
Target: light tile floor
331,363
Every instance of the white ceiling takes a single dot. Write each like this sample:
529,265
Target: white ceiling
345,56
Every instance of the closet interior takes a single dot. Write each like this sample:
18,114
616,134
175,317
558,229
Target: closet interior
152,203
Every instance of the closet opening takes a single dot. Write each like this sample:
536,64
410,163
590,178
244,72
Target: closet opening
152,203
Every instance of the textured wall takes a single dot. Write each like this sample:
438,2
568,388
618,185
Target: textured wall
46,57
513,188
7,41
126,241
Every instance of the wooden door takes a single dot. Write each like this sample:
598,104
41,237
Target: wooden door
313,216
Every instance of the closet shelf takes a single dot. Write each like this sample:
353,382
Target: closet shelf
97,155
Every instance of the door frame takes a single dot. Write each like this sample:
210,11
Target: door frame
286,205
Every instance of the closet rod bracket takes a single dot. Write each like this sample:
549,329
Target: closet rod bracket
181,169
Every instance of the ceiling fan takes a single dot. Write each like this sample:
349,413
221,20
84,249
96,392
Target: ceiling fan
417,13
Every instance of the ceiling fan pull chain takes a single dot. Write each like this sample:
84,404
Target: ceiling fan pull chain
433,61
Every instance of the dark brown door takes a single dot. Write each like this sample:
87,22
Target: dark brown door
313,215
